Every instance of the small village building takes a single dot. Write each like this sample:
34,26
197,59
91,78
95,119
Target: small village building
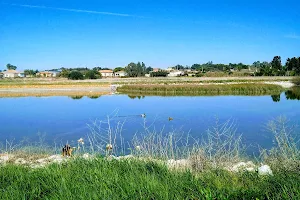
169,69
10,74
120,74
156,70
175,73
48,74
21,74
107,73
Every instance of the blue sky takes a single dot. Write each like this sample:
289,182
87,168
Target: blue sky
46,34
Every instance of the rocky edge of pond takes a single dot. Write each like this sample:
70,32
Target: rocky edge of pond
172,164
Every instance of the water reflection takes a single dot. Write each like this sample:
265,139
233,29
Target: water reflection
76,97
133,97
293,94
276,97
94,96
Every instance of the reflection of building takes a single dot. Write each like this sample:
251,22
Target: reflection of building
107,73
12,74
120,74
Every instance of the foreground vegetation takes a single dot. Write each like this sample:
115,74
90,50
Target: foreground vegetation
132,179
146,175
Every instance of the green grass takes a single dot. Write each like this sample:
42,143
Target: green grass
230,89
133,179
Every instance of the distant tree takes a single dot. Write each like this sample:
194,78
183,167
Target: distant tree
266,69
179,67
196,66
135,70
148,70
30,72
117,69
276,66
11,67
293,66
97,68
75,75
64,73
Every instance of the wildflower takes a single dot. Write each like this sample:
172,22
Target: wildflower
80,141
109,147
138,148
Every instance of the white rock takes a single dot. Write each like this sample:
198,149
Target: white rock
42,160
265,170
4,158
178,164
242,166
87,156
20,161
125,157
56,158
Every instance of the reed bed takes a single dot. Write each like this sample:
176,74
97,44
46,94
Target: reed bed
226,89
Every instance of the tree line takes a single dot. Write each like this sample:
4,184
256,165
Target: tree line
274,68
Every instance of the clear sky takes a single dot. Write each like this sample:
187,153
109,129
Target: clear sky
46,34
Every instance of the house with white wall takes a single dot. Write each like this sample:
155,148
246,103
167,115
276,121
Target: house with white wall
10,74
175,73
107,73
120,74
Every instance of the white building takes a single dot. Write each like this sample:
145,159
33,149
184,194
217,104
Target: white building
10,74
120,74
107,73
175,73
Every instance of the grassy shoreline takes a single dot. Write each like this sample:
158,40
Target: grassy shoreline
131,179
157,169
4,83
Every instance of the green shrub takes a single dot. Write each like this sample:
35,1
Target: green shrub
92,74
159,74
75,75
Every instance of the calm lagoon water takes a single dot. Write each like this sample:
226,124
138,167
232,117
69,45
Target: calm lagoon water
63,119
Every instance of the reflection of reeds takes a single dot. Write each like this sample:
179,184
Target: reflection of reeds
179,90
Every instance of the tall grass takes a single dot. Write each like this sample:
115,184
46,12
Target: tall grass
285,155
133,179
231,89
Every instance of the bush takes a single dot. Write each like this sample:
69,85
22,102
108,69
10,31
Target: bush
92,74
159,74
296,80
75,75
